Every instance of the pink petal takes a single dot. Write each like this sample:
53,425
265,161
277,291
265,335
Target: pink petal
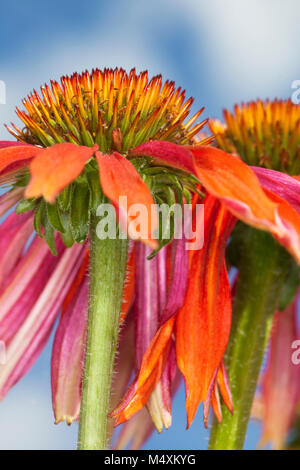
29,340
9,199
25,271
10,143
146,303
153,305
166,153
68,357
285,186
30,291
179,278
135,432
14,233
280,386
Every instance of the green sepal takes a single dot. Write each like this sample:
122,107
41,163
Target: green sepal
25,205
54,217
96,194
80,213
49,234
38,218
66,236
140,163
22,180
65,197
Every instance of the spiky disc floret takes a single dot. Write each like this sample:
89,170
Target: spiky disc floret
111,108
263,133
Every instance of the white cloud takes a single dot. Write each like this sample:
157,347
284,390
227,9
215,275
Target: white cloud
252,44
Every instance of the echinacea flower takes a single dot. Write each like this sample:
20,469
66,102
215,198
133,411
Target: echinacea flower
266,136
99,137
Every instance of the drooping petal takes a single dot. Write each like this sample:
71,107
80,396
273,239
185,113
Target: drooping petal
219,385
135,432
280,385
30,338
123,366
166,153
68,357
139,428
152,367
15,155
178,275
150,299
10,143
289,219
22,276
9,199
17,297
203,322
237,186
14,233
160,290
285,186
55,167
129,283
122,184
223,384
231,181
146,304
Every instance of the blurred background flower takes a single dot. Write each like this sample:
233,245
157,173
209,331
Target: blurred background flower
222,52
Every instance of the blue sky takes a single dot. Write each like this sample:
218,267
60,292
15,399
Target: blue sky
221,52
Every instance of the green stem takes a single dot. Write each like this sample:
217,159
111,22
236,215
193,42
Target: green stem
262,270
107,273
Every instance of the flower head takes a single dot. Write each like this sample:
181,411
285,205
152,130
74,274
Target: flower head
262,133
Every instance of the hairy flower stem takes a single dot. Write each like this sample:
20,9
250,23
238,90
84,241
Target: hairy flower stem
262,269
107,274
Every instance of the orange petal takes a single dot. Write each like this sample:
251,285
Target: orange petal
16,156
203,322
235,184
151,370
120,179
229,179
222,381
129,284
55,167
